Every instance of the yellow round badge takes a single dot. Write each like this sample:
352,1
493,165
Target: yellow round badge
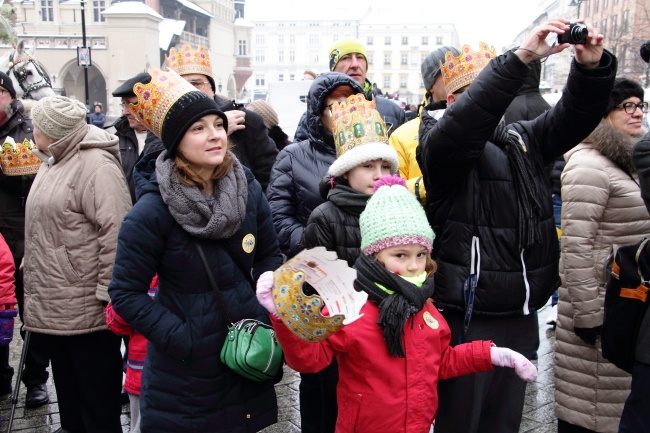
248,243
430,321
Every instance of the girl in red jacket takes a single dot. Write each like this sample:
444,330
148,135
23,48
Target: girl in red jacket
136,352
391,358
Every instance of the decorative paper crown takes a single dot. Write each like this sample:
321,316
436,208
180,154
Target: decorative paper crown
359,136
459,71
189,61
299,312
17,159
157,97
356,122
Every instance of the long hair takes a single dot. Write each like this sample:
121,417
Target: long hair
189,177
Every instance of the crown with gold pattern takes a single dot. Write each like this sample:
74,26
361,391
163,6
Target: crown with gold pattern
17,159
157,97
360,135
168,105
459,71
301,313
189,61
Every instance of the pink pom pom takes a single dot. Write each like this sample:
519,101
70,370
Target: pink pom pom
389,181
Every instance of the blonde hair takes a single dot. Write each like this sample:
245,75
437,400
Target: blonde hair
189,177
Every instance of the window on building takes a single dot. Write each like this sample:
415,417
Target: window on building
605,4
405,40
626,22
404,58
369,40
621,58
387,59
292,39
370,58
241,45
280,77
313,56
259,39
313,38
386,84
603,27
614,26
260,80
423,56
387,40
99,6
438,40
280,56
280,39
596,4
47,10
259,56
292,56
425,40
403,81
292,77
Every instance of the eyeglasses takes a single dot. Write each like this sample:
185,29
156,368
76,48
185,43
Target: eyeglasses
199,84
630,107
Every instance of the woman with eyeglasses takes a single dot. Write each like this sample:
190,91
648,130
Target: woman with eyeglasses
602,209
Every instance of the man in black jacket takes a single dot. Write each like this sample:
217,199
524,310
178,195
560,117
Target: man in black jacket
348,56
489,202
135,139
251,142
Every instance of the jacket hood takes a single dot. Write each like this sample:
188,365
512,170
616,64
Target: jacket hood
322,86
612,144
91,138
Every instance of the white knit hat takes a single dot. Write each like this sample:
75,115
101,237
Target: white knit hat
364,153
57,116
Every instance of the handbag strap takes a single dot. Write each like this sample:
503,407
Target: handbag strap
636,259
213,283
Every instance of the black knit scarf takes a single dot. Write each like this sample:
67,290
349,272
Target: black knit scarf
528,203
395,309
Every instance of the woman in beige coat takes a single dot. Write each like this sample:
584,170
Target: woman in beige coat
602,209
73,215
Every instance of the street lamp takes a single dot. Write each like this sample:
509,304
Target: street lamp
576,3
86,64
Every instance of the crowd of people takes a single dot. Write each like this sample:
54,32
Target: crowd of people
123,232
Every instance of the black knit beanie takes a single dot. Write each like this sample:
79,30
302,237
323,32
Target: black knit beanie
186,110
623,88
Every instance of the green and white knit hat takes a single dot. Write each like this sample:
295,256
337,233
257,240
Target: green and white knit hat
393,216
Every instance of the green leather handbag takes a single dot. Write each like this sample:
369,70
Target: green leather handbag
252,351
251,348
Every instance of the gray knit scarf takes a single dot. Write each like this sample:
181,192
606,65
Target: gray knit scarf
215,217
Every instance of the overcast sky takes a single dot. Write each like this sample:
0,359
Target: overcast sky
496,22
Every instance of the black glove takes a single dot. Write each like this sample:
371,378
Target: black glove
588,335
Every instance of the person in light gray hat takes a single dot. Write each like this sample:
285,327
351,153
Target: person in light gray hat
405,139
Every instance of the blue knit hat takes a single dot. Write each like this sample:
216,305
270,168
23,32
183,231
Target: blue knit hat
393,216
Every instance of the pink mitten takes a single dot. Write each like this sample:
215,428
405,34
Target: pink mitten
264,292
503,357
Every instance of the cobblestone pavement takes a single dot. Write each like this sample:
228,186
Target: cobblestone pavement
538,409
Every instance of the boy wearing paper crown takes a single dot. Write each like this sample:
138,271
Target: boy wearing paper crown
489,202
391,357
362,157
18,167
251,142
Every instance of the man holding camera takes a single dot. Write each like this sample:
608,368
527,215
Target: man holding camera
489,203
251,142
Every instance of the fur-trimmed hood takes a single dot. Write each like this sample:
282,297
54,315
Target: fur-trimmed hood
613,144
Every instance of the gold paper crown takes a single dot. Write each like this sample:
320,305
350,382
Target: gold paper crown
189,61
356,122
459,71
17,159
157,97
301,313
